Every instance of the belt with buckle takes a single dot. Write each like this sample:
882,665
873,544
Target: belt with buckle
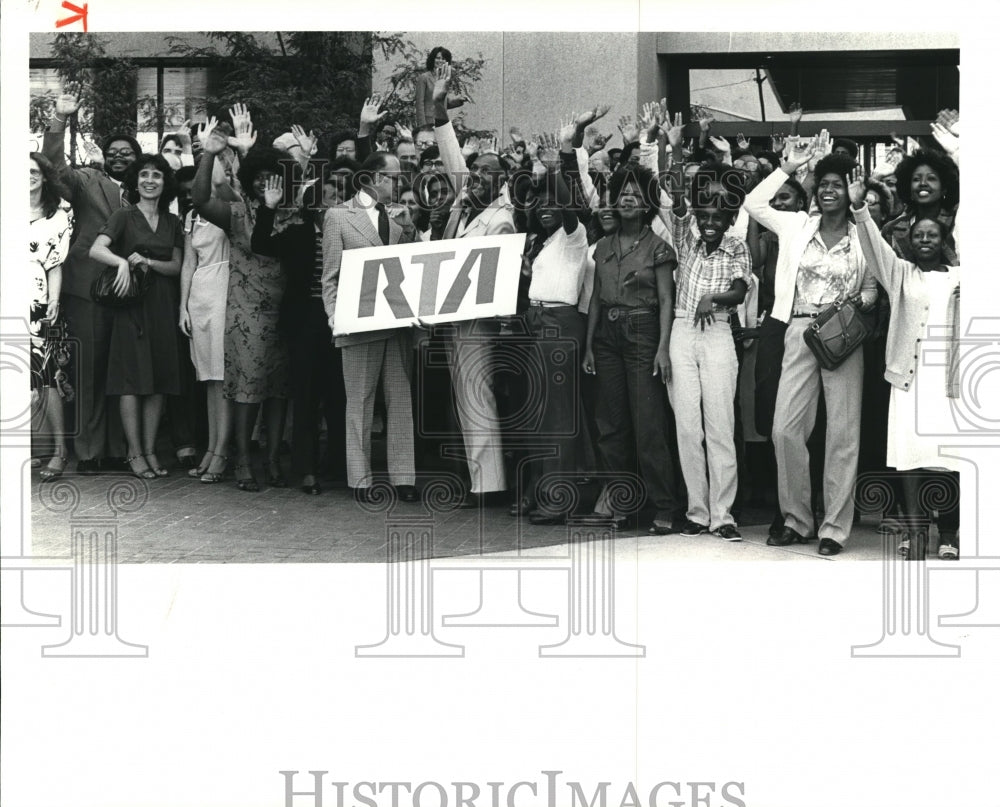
546,304
615,312
810,314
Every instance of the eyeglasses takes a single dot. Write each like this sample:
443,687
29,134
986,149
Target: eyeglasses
120,153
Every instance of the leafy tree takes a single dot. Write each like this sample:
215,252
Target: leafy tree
107,88
317,79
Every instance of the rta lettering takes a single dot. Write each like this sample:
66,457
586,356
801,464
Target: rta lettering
488,259
548,793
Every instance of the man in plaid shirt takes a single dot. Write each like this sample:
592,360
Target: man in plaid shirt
713,276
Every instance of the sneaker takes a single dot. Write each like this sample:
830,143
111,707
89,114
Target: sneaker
728,532
693,528
948,552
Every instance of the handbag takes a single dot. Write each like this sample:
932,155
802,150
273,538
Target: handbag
837,331
102,290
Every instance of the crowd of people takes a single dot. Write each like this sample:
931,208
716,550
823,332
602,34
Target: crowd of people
665,291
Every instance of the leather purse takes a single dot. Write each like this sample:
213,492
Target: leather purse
102,290
838,331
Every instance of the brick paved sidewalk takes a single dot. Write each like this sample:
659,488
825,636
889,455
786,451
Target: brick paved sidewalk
185,521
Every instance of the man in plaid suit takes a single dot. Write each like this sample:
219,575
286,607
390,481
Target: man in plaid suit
373,355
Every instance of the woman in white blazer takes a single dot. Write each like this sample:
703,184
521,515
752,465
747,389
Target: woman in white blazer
819,261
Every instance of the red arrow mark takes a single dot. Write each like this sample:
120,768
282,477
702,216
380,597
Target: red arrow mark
78,14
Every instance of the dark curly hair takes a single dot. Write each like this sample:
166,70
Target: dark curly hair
259,158
445,54
52,189
838,164
703,193
941,163
131,179
111,138
644,180
342,137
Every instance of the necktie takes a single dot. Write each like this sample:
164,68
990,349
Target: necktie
383,223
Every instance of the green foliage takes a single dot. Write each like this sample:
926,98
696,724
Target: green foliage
317,79
107,88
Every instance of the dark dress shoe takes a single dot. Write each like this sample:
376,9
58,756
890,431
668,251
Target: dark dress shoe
88,467
827,546
115,465
275,476
785,537
542,518
473,501
311,490
407,493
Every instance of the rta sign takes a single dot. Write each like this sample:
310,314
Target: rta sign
396,286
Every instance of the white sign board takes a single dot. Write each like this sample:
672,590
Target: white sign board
428,281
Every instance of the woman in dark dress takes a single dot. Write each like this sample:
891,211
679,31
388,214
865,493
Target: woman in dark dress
143,363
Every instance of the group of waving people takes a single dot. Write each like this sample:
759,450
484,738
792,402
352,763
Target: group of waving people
667,291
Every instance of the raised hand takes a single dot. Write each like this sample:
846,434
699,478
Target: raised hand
823,147
945,138
67,104
274,190
675,135
183,133
948,118
741,141
548,153
239,112
405,132
705,122
441,78
798,152
795,112
591,116
531,148
630,132
778,143
370,114
489,145
720,143
471,146
856,189
245,136
307,142
567,130
515,135
212,142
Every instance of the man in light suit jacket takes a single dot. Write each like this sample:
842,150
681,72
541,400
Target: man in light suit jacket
483,210
95,195
373,355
